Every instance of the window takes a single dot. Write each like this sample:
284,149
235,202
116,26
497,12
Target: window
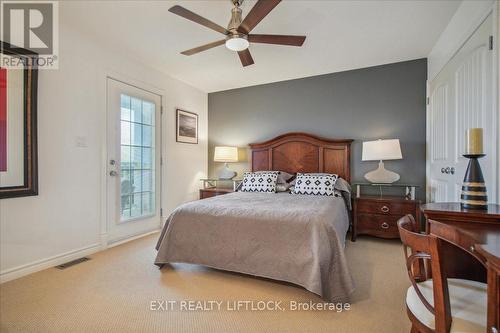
137,144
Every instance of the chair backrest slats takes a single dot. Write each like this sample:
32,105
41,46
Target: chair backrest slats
427,247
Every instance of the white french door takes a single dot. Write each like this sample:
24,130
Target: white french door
461,97
133,160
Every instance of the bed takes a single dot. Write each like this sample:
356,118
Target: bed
294,238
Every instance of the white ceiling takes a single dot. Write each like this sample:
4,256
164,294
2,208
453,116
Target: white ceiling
341,35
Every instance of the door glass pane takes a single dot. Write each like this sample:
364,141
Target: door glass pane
147,181
125,183
146,202
125,133
136,134
147,135
137,181
148,113
146,158
135,205
136,105
125,207
125,158
137,158
125,107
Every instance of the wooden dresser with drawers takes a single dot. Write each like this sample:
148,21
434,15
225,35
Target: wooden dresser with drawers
377,216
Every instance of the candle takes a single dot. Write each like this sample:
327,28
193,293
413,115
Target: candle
474,141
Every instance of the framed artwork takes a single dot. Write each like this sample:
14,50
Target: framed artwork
187,127
18,124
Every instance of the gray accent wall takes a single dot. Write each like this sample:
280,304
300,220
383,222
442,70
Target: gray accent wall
382,102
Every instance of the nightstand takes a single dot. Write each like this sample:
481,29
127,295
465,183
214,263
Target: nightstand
378,215
213,191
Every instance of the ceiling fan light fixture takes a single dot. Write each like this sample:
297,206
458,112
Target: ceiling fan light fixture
237,43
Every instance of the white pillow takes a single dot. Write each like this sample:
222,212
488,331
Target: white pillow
315,184
259,181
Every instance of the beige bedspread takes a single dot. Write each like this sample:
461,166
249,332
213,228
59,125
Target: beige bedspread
294,238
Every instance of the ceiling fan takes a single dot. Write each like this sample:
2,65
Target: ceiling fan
237,34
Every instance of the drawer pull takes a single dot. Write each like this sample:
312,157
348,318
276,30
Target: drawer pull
385,209
385,225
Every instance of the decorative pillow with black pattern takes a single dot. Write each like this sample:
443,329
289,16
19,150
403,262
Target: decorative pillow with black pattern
259,181
315,184
283,177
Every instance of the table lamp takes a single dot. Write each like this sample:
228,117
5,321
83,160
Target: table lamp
381,150
226,155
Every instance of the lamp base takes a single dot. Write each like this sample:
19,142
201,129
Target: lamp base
474,194
226,174
381,175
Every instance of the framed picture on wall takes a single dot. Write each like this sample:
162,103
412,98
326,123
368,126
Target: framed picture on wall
18,123
187,127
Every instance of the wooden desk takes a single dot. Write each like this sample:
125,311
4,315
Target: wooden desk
475,236
491,252
463,262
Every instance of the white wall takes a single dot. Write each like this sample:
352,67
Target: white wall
66,219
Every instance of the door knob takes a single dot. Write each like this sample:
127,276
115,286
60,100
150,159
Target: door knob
447,170
113,173
452,170
442,170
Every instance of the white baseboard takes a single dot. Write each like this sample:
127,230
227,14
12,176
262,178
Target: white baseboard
113,243
39,265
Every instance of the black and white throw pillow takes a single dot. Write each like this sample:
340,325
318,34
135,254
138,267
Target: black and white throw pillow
315,184
283,177
259,182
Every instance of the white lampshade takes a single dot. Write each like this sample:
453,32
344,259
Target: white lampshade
226,154
381,150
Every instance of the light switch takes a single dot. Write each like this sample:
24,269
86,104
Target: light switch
81,141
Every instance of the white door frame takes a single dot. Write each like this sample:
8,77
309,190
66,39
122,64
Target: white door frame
110,74
494,11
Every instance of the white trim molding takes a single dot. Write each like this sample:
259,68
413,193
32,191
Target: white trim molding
39,265
131,238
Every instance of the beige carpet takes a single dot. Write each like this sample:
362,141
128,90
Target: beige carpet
113,293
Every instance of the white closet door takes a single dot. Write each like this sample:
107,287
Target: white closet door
461,97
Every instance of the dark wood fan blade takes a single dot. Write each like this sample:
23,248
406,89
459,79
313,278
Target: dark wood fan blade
277,39
256,14
246,58
189,15
203,47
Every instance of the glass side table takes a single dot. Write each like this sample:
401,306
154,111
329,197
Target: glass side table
409,189
216,183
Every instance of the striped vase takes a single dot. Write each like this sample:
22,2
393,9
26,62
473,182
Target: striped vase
473,189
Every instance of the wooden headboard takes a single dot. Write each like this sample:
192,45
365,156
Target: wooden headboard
301,152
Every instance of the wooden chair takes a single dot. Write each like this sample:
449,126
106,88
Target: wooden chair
438,304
